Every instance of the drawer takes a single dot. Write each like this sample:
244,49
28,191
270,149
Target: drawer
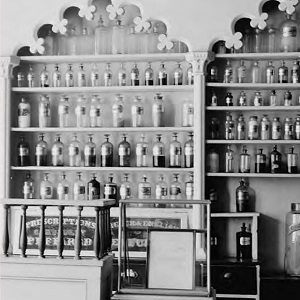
228,279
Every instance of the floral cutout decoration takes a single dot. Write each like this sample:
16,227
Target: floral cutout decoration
60,26
87,12
164,42
141,24
287,5
114,9
260,22
37,47
234,41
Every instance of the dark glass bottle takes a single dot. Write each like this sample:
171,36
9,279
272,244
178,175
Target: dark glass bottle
159,158
242,197
90,153
23,153
93,189
124,153
243,244
260,162
106,153
275,161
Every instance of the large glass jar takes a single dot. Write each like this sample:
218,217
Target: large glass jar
288,35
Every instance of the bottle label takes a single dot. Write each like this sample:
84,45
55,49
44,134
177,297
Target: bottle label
80,110
44,77
45,109
137,110
57,151
188,150
23,151
175,151
161,191
140,150
158,151
125,192
73,150
82,190
27,188
175,191
105,151
289,31
158,108
294,228
62,190
89,151
189,190
109,190
23,110
245,241
124,151
242,196
63,109
145,191
39,150
46,191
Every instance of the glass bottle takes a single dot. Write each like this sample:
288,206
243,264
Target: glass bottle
122,76
178,75
63,111
101,37
141,151
260,162
24,113
275,161
62,44
80,111
44,111
118,38
28,187
189,151
270,72
72,42
273,98
229,127
242,197
297,128
214,99
23,152
288,35
288,129
132,41
241,128
229,156
41,152
69,77
213,73
187,113
63,188
95,79
93,188
190,75
189,189
44,77
271,40
283,73
90,152
95,112
295,72
125,188
124,153
137,112
241,72
135,75
228,99
107,75
244,244
159,158
253,128
31,77
81,78
246,42
265,128
56,77
276,129
110,188
106,153
74,152
257,40
144,191
49,43
288,98
20,79
161,191
46,188
85,43
176,190
158,111
175,152
228,73
242,101
57,152
118,111
162,78
79,188
213,161
149,75
245,159
292,161
255,73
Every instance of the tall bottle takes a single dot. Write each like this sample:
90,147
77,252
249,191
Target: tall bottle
41,152
241,128
270,73
56,77
189,189
213,164
283,73
75,153
31,77
132,41
110,188
253,133
85,42
256,73
141,151
106,153
149,75
49,43
23,152
90,152
176,190
93,188
79,189
288,35
57,152
162,78
69,77
229,127
81,77
44,77
21,79
118,38
101,38
297,128
144,191
125,188
288,129
61,44
72,42
187,113
122,76
245,159
229,157
292,161
124,153
137,112
241,72
228,73
190,75
275,161
95,79
24,113
189,151
242,197
63,188
80,111
260,162
63,111
46,188
118,111
295,72
159,158
257,41
243,244
178,75
175,152
288,98
271,40
158,111
135,75
95,112
161,190
276,129
273,98
107,75
28,187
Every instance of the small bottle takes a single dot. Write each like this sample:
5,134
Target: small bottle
271,40
137,112
124,153
241,128
24,113
106,153
228,74
297,128
257,40
270,72
63,188
56,77
229,156
189,152
144,191
265,128
275,161
187,113
158,111
214,129
175,152
63,111
20,79
75,153
44,77
255,73
175,190
159,158
213,161
245,159
242,101
242,197
243,244
23,152
276,129
28,187
135,75
41,152
295,72
107,75
253,128
31,78
214,99
132,41
162,78
69,77
95,112
93,188
141,151
228,99
90,152
288,98
118,111
110,188
125,188
57,152
189,189
229,127
260,162
288,129
46,188
288,34
79,188
118,38
241,72
190,75
292,161
161,191
122,76
80,111
81,78
283,73
178,75
95,79
273,98
149,75
44,111
101,38
49,43
72,43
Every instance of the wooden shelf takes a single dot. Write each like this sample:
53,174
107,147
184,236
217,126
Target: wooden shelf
255,86
260,56
254,108
257,175
235,215
254,142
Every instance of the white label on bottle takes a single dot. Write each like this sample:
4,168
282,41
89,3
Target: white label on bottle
289,31
161,191
245,241
124,151
39,150
56,151
145,191
188,150
63,109
73,150
27,189
141,150
294,228
46,191
109,190
137,110
125,192
23,151
189,190
105,151
158,108
89,151
158,151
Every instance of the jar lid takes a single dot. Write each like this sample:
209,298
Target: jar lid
295,206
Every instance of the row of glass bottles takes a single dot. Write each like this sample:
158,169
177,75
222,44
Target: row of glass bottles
254,130
255,74
94,117
81,190
256,100
75,155
122,78
260,162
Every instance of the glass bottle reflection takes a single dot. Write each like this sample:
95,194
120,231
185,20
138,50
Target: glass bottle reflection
178,75
69,77
101,37
107,76
95,79
44,111
80,111
56,77
44,77
149,75
162,75
135,75
158,111
81,77
122,75
31,77
63,111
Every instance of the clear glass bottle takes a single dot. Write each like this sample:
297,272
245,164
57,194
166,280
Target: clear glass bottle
46,188
110,188
176,190
158,111
28,187
95,112
213,164
20,79
178,75
159,157
80,111
253,133
241,72
85,43
24,113
242,100
275,160
245,160
135,75
72,42
213,73
75,153
107,75
90,152
41,152
295,72
144,191
288,98
63,111
137,112
297,127
44,77
242,197
229,127
61,44
229,159
189,189
44,111
122,76
149,75
175,152
241,128
69,77
273,98
93,188
118,38
190,75
118,111
57,152
271,40
288,35
214,99
79,189
56,77
125,188
228,73
260,162
162,78
161,191
141,151
257,40
270,72
276,129
265,128
63,188
283,73
132,41
189,151
101,38
256,73
23,152
187,113
288,129
124,152
49,43
31,77
258,99
292,161
81,77
106,153
95,79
